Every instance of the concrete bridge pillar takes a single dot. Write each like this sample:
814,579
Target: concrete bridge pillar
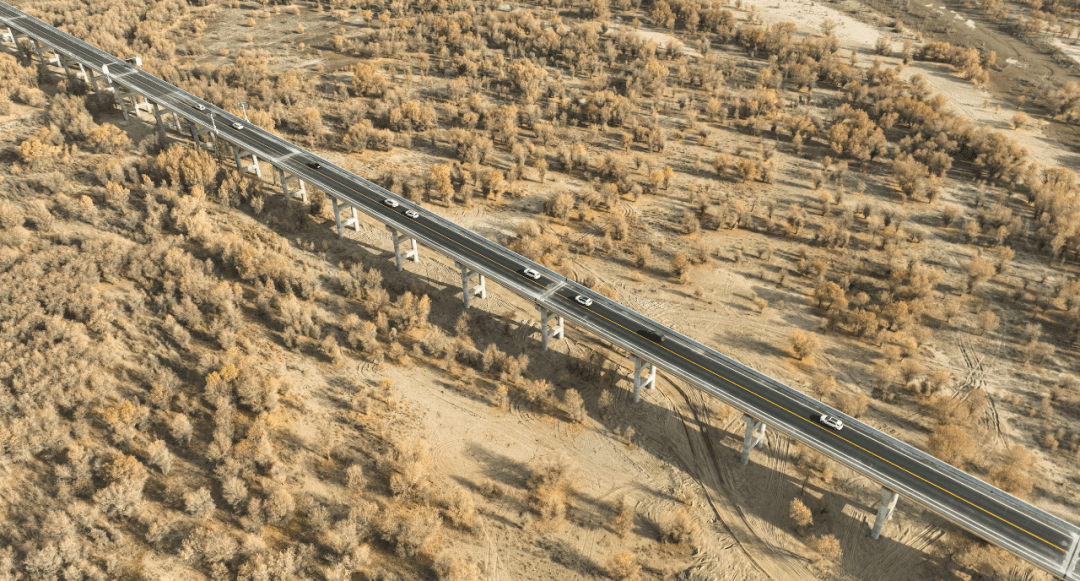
7,35
885,510
160,125
354,222
546,330
468,274
239,154
412,254
120,100
648,382
287,181
755,435
197,132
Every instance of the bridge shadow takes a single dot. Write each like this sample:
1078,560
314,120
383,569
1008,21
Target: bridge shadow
762,490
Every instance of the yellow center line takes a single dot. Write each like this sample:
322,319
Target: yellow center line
815,424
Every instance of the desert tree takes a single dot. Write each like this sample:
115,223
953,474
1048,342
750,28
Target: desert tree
800,515
160,456
803,344
199,503
828,551
978,271
574,406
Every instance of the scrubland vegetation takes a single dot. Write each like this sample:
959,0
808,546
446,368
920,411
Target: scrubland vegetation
142,420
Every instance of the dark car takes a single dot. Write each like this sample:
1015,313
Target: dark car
314,165
651,335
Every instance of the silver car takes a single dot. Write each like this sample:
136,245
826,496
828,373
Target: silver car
412,214
583,300
833,422
531,274
199,106
390,202
237,126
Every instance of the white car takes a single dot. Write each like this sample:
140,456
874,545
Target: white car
583,300
390,202
412,214
200,106
531,274
834,423
237,126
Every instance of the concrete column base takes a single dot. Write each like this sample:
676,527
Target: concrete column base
468,274
354,222
286,183
755,435
885,510
239,154
413,254
546,330
647,382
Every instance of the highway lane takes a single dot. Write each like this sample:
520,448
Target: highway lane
860,448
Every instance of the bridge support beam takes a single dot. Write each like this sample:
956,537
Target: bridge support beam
160,124
353,222
413,254
286,183
197,132
648,381
755,435
468,274
239,154
546,330
7,36
885,510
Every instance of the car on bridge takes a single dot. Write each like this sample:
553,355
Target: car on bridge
832,421
199,106
583,300
531,273
412,214
651,335
391,202
237,126
314,165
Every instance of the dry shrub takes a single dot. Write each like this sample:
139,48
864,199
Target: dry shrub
455,568
459,507
549,485
411,531
623,566
803,344
574,406
828,550
801,516
354,477
180,428
234,491
160,456
107,138
679,528
410,463
1011,476
952,443
199,503
11,215
623,521
279,506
